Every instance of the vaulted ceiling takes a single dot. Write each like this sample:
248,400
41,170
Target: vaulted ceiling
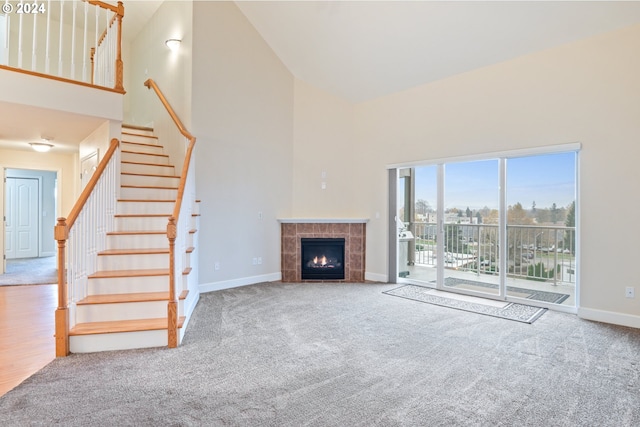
361,50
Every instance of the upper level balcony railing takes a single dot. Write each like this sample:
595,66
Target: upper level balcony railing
541,253
76,40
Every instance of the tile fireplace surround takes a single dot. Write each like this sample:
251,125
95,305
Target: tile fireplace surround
352,230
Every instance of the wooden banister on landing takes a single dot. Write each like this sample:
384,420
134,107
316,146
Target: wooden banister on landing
172,308
61,235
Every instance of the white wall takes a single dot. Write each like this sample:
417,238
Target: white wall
584,92
324,136
243,119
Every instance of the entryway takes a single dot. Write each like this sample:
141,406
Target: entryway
29,220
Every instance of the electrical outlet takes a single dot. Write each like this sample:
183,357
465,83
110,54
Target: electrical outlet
216,266
259,260
630,292
255,261
323,185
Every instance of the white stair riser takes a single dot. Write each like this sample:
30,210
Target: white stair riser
132,262
120,311
149,181
148,169
124,285
141,223
127,156
145,139
134,193
142,148
137,241
152,207
135,131
117,341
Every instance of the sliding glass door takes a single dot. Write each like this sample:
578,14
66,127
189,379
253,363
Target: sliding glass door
470,227
500,227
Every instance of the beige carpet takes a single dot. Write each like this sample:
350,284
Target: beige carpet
30,271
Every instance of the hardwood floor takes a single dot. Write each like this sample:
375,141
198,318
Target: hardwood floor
27,326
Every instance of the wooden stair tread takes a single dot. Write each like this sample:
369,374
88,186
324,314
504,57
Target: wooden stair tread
142,144
190,249
116,326
148,200
129,297
119,298
137,127
187,271
146,251
142,215
147,154
149,174
149,187
147,164
130,273
138,232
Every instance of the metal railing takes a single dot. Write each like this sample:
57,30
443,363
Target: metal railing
74,40
541,253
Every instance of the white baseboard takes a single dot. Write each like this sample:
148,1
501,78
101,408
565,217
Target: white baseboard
244,281
376,277
613,317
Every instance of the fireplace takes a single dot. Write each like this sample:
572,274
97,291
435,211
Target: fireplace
322,258
351,230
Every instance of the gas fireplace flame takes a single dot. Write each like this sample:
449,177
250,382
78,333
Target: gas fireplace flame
322,261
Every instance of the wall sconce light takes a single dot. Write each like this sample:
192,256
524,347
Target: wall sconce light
41,147
173,44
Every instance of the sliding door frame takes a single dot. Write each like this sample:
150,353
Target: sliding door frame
502,158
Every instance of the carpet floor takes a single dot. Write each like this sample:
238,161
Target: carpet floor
319,354
30,271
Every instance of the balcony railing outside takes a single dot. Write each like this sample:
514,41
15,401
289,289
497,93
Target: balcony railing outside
76,40
539,253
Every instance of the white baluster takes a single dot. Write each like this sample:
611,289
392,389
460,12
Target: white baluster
20,39
47,60
73,40
60,68
85,52
34,44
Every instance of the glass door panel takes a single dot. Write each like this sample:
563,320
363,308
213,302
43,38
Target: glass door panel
422,223
471,227
541,194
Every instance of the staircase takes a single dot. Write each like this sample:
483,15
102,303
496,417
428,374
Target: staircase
127,296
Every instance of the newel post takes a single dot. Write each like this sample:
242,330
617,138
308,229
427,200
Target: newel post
172,307
61,234
119,72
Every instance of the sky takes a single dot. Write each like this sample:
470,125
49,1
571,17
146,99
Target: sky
545,179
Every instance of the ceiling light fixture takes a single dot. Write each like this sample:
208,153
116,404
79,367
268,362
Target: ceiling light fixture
41,147
173,44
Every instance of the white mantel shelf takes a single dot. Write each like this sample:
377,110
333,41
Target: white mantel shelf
323,220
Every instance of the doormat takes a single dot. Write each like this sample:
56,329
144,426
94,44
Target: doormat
511,311
533,294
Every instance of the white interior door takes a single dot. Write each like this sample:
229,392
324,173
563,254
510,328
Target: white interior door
21,227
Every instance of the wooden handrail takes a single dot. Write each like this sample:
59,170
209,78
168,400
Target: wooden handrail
192,140
172,307
114,9
61,235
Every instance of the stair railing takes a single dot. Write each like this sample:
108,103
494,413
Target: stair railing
53,38
80,237
178,226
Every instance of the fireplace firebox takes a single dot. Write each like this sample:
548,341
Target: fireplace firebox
322,258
